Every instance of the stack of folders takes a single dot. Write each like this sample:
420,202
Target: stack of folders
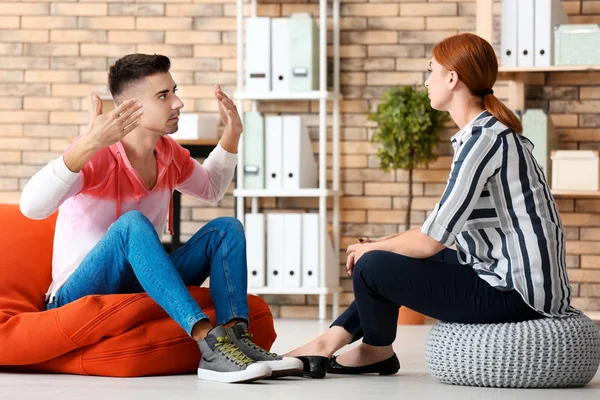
277,153
283,252
527,32
538,128
282,54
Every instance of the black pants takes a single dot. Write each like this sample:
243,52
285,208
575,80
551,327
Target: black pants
438,287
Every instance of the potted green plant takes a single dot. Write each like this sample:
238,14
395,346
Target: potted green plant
408,130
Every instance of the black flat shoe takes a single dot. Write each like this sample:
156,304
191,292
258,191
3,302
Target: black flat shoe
314,366
385,367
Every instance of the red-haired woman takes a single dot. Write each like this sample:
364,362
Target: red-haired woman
509,262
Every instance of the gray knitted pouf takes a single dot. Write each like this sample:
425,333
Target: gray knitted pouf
549,352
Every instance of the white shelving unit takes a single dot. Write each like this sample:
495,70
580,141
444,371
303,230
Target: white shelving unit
322,192
517,77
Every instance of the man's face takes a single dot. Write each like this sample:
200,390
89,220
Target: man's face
160,103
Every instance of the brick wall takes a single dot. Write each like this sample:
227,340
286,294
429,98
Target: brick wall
52,54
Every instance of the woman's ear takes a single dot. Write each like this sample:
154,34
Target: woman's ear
452,80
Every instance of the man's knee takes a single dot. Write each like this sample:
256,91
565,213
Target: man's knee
133,219
228,225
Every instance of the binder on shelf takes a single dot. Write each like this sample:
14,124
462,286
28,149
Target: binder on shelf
255,245
548,14
273,152
258,55
280,52
303,53
276,257
299,166
525,33
311,242
292,248
310,250
538,127
254,150
509,32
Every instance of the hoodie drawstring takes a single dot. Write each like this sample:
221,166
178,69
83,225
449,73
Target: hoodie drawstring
171,215
119,160
118,186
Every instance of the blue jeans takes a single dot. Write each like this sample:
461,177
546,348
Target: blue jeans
130,258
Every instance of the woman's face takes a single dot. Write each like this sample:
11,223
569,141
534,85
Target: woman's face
439,83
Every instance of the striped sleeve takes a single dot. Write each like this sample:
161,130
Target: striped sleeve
476,161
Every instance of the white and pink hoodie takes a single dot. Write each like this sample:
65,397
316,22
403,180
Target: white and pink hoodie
107,187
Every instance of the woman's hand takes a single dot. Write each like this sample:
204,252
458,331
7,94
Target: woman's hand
355,252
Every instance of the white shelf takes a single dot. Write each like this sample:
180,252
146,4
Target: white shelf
301,290
581,194
314,95
284,193
551,68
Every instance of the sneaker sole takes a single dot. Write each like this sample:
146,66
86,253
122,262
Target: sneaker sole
285,367
286,372
248,375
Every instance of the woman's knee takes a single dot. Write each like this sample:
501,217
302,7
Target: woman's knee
368,265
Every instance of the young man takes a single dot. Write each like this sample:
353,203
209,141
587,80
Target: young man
113,188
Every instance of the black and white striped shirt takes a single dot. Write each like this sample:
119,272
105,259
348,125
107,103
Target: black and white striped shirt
498,209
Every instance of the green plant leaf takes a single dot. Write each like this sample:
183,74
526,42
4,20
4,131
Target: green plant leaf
408,129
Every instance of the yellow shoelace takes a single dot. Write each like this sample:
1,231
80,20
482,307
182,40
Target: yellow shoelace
231,351
247,338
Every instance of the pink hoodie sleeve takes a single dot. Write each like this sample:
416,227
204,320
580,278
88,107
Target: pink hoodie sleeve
208,181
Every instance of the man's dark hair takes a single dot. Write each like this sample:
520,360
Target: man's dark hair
134,67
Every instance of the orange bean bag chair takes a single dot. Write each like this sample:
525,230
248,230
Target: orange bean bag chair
118,335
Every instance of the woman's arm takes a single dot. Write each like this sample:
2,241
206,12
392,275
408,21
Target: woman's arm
411,243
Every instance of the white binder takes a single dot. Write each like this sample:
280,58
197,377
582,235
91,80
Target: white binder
303,53
299,166
255,249
275,250
273,152
311,242
525,34
258,55
254,150
292,250
280,55
310,250
548,14
509,32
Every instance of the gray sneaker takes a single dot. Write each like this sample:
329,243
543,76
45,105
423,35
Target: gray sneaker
223,361
281,366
